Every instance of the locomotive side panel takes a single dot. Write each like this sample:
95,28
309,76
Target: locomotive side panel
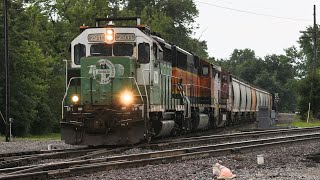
217,86
205,82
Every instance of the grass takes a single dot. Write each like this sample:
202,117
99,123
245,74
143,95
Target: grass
297,122
46,137
305,124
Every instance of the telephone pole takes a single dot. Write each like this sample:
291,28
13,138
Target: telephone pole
6,59
315,49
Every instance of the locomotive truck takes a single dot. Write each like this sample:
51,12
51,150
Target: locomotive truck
126,85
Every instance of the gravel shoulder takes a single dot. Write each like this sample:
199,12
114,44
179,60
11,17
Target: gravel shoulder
29,145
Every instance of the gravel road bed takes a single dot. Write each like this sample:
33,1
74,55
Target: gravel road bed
281,162
19,146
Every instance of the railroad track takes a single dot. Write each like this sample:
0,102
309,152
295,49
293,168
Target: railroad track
226,137
21,159
12,160
76,167
8,160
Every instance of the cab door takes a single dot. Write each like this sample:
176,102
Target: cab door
155,92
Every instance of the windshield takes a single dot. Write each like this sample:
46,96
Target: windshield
111,50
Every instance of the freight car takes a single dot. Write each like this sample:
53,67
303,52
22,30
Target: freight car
126,85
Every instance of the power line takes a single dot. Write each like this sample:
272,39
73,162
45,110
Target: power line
250,12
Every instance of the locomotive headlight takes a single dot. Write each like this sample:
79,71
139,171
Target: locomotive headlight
126,98
75,98
110,35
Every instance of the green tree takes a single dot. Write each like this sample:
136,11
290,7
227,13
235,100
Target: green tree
304,89
29,86
309,78
237,57
29,56
172,19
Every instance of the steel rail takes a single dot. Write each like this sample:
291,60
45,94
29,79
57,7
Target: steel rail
13,159
214,138
9,162
86,154
26,153
158,157
247,133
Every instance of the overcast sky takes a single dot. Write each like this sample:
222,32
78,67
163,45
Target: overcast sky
226,30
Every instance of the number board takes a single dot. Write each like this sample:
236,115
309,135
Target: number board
125,37
96,37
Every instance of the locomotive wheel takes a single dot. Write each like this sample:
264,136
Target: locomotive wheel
176,130
219,122
229,119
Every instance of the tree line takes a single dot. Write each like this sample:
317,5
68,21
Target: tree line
40,32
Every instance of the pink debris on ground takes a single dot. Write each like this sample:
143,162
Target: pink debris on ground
222,172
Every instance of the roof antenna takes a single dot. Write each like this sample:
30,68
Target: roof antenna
202,33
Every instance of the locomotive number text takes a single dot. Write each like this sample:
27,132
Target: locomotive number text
96,37
125,37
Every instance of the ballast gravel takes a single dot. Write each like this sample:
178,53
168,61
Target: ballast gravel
20,146
280,162
285,162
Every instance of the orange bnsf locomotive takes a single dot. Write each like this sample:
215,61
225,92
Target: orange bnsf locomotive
126,85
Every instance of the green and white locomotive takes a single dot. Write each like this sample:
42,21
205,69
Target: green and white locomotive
113,83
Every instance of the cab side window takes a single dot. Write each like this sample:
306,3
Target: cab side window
205,70
79,52
144,53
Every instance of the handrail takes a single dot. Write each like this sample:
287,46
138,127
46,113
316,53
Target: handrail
196,86
65,95
67,88
186,85
193,85
135,81
170,76
145,89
